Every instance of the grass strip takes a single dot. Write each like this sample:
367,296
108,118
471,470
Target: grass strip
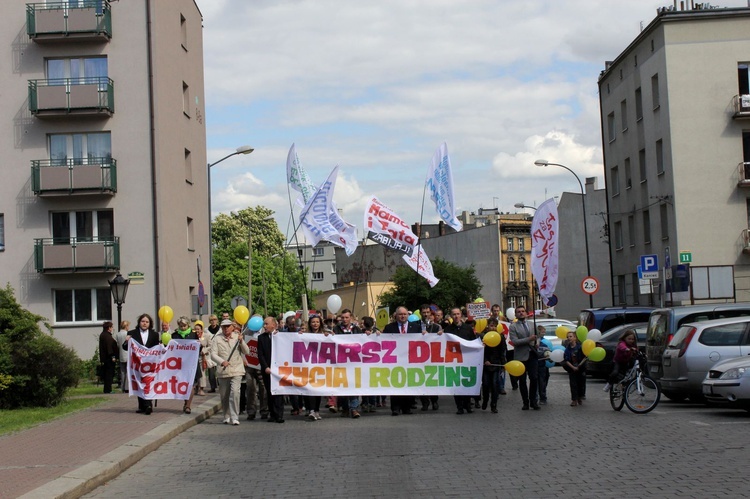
21,419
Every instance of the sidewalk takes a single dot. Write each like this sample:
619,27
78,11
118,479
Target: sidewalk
75,454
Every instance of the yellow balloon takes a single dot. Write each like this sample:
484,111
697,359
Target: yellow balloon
588,346
480,325
562,332
165,338
515,368
241,314
166,313
491,339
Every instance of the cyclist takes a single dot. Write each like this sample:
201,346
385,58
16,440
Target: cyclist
625,354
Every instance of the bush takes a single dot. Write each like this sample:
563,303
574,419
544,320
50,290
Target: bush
35,368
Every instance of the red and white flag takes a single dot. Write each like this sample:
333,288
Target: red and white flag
422,265
385,227
544,254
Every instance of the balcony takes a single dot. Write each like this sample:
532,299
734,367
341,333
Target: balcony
91,96
71,254
74,176
741,105
58,21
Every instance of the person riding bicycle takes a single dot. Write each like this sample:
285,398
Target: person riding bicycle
625,354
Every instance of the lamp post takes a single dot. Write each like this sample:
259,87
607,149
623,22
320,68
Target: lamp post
544,162
239,150
521,206
119,288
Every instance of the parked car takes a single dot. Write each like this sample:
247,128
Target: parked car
728,382
551,325
664,323
606,318
609,342
695,348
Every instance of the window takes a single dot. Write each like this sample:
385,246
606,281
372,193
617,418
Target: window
188,167
659,157
82,305
190,234
638,104
510,244
631,230
664,221
646,227
622,290
655,91
318,251
618,235
642,164
300,253
615,179
636,288
511,270
522,271
513,302
624,114
2,232
628,174
611,126
82,226
80,70
743,78
723,336
80,148
317,276
521,245
183,31
185,99
333,268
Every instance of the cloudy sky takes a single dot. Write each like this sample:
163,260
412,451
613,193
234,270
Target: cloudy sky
375,87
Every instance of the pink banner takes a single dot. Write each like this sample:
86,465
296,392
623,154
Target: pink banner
163,372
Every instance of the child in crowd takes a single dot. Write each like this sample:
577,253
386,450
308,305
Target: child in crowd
574,364
542,351
625,353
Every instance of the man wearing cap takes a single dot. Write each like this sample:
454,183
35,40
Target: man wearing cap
227,350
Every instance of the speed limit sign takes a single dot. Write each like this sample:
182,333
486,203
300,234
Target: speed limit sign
590,285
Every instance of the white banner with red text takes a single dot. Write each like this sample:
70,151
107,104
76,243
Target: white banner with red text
388,364
545,229
163,372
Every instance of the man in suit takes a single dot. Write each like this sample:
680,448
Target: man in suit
402,325
460,328
428,325
265,345
145,335
349,405
524,340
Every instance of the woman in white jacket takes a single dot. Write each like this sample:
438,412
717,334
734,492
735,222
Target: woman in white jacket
227,349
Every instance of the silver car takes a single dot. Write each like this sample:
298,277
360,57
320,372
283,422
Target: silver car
550,326
695,348
728,382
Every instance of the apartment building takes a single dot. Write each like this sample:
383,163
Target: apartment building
104,145
675,111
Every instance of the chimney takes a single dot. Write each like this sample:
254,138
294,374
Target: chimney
417,229
441,228
590,181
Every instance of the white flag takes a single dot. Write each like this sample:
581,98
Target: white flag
544,254
297,176
385,227
314,217
422,265
440,183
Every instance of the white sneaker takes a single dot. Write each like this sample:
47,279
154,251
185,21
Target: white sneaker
235,422
606,387
227,421
317,416
311,416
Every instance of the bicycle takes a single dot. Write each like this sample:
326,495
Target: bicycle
636,390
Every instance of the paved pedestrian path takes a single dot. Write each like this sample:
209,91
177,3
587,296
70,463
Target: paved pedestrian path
72,455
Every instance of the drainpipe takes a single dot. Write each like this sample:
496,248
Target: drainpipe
152,139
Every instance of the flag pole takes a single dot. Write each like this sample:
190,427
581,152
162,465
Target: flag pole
296,242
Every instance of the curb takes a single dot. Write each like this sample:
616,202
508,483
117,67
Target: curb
88,477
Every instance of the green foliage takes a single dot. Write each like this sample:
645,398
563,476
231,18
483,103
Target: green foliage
284,282
35,368
457,287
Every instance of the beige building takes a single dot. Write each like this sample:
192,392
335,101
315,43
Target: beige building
675,107
104,148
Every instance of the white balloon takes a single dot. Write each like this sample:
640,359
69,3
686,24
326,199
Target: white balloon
556,355
510,314
334,303
594,335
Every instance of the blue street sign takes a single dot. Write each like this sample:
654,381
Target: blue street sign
649,263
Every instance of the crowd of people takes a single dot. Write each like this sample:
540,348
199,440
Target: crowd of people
236,361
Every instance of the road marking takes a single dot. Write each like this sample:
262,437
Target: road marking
700,423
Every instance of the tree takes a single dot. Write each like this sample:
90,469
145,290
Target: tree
284,281
35,368
457,287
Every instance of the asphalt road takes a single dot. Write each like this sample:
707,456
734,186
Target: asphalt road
678,450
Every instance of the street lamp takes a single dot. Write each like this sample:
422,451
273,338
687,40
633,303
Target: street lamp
119,288
521,206
544,162
239,150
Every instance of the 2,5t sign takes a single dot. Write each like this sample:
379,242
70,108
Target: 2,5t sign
590,285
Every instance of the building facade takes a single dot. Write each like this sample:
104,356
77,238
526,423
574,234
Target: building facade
675,110
319,262
105,143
